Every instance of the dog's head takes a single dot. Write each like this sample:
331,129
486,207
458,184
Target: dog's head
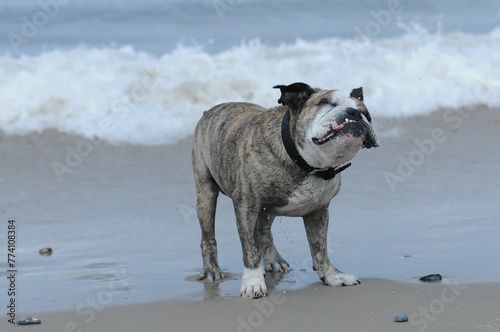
328,127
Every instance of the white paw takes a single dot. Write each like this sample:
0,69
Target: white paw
253,284
340,279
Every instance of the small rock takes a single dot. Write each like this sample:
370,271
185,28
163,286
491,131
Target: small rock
28,321
431,278
45,251
401,318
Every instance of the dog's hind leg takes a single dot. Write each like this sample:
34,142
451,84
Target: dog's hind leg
273,262
207,192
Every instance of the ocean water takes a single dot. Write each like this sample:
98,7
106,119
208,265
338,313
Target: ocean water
143,72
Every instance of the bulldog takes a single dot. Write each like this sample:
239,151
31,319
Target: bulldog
283,161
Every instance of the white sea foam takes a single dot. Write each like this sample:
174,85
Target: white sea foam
126,96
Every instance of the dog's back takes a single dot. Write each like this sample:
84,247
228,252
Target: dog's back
223,133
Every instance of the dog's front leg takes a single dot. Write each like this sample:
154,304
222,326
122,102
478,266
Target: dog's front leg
316,225
253,284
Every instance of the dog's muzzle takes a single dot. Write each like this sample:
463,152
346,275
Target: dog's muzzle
349,122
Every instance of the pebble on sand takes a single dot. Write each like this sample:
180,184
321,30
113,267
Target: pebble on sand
28,321
45,251
431,278
401,318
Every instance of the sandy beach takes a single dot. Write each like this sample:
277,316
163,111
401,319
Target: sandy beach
125,240
369,307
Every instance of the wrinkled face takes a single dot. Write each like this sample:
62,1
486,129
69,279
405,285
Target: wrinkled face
332,127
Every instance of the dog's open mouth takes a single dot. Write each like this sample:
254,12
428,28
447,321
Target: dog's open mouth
332,132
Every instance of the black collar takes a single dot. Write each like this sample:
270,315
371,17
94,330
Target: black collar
290,148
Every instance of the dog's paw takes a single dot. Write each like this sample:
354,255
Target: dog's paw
211,275
340,279
278,265
253,284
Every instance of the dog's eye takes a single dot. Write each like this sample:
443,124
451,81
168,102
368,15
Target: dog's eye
325,101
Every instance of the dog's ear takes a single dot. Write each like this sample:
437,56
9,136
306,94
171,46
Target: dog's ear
357,93
294,95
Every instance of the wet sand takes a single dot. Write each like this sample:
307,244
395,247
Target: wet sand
370,307
125,240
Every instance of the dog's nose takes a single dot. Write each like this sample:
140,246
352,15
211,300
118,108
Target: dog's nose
354,112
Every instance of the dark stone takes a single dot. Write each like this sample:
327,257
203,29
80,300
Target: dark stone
45,251
431,278
28,321
401,318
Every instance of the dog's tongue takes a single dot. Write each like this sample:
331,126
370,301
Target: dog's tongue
329,135
338,127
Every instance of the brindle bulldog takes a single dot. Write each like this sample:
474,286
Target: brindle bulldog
282,161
